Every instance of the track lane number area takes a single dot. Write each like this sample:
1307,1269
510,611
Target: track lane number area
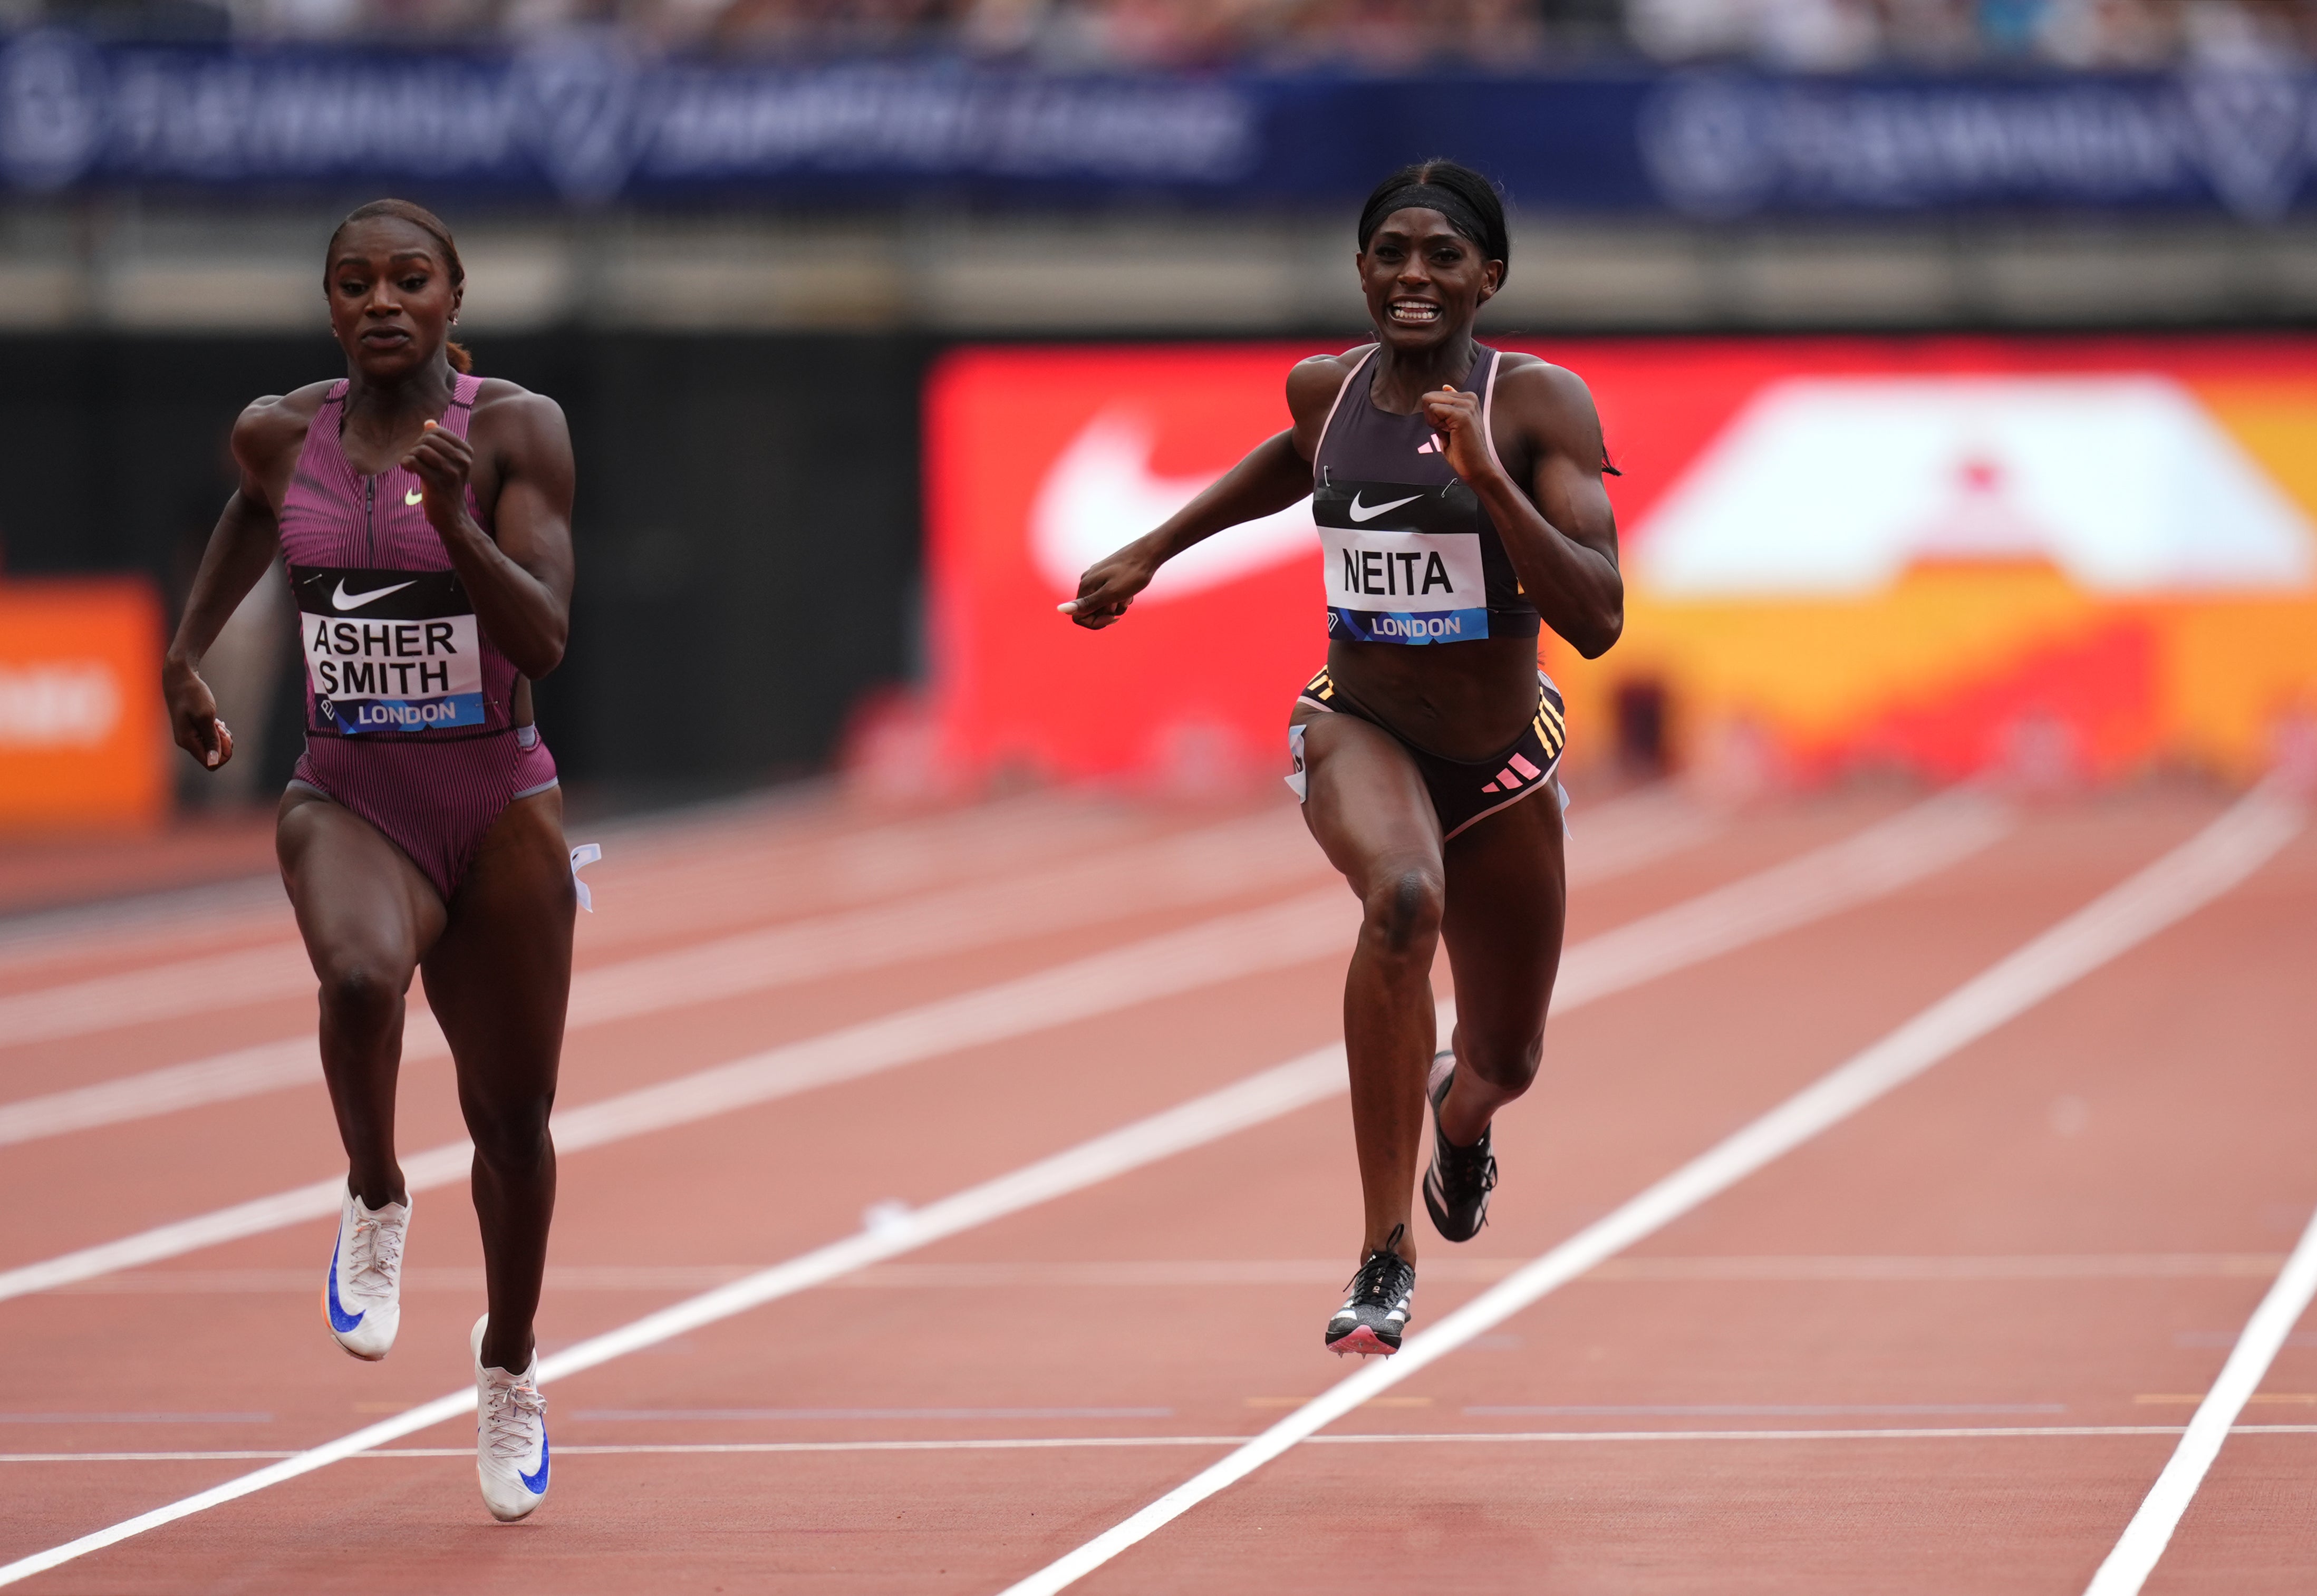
388,650
1403,563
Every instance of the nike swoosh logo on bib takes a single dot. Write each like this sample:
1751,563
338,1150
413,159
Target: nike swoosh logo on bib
344,599
1370,512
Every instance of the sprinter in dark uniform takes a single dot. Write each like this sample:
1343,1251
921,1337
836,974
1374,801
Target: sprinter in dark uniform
1459,498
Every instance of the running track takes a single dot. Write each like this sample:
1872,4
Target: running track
1946,1343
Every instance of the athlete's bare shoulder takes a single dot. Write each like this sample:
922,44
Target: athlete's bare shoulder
270,432
1312,386
510,416
1549,404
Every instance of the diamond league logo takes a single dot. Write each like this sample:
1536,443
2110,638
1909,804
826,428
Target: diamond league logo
575,96
1709,144
2249,130
52,109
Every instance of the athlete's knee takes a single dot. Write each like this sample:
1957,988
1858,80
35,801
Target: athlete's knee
1401,911
1509,1065
512,1138
362,992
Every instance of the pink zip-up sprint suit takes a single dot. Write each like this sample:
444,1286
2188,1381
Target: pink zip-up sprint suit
409,706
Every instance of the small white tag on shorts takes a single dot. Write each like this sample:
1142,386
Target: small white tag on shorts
1296,783
584,855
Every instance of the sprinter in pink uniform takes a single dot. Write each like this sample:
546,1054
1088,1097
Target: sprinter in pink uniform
424,517
1457,491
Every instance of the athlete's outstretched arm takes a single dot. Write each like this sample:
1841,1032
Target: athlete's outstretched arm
246,542
1275,474
520,582
1561,533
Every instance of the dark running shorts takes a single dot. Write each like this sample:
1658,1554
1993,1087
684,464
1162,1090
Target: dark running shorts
1460,793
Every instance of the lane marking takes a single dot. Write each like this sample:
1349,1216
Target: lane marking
1216,951
758,833
1907,847
1173,873
1143,1274
1751,1410
1167,872
1040,1442
1942,830
796,1415
2217,858
2138,1549
1255,1101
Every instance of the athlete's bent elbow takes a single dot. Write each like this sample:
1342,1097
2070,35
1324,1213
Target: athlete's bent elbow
542,657
1602,634
1602,638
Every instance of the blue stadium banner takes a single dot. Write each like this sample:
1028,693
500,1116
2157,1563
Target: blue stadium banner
579,118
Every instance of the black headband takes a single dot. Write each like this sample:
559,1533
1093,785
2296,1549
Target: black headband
1431,196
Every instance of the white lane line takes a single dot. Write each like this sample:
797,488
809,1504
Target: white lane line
2136,1552
1915,844
1198,1273
1221,950
1175,872
1171,872
1040,1442
730,846
1259,1098
2184,880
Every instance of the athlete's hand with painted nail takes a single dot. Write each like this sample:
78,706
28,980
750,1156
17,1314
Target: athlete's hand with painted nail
442,461
1109,586
193,715
1455,416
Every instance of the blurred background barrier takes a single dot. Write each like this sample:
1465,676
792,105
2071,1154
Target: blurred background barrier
585,117
2066,559
80,725
1955,350
747,542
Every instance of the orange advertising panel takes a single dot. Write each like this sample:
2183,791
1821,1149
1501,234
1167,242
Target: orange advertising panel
80,720
2085,556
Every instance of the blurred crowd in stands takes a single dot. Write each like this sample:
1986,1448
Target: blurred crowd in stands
1807,35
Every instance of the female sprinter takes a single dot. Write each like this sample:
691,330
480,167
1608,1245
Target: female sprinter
424,517
1458,496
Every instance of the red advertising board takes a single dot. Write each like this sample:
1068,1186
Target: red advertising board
81,733
1927,551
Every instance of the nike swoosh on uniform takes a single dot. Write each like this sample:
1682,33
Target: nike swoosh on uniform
536,1484
415,496
1370,512
341,1321
344,599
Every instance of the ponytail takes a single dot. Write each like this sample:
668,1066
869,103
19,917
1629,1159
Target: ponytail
461,360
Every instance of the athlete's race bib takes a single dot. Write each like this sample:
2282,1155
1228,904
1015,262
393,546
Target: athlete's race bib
389,650
1405,587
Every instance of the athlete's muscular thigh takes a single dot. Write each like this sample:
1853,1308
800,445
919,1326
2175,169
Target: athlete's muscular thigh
499,974
1508,899
366,912
1363,799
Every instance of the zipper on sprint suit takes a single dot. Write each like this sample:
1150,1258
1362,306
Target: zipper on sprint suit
370,515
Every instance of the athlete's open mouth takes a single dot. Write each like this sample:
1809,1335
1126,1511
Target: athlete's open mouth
1413,313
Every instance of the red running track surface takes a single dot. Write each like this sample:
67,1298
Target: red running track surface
1940,1348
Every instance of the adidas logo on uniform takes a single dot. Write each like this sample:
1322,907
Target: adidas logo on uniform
1432,445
